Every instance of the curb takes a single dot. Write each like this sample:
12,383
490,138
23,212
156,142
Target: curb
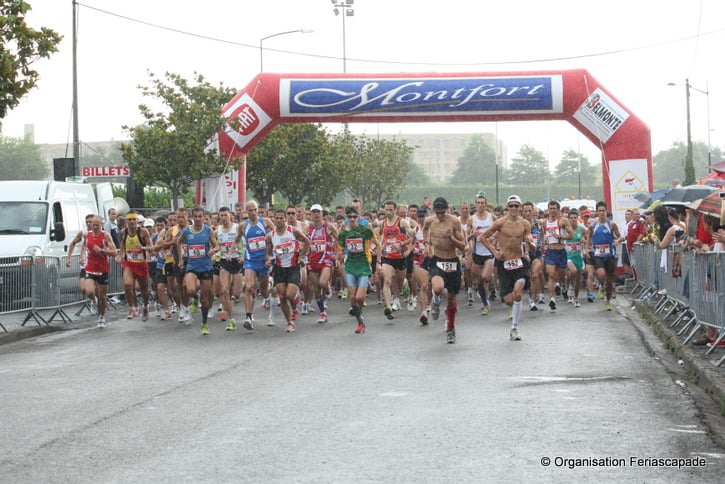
699,368
31,332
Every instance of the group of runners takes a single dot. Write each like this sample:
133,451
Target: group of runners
292,258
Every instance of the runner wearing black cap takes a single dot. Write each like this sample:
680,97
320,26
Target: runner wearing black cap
445,238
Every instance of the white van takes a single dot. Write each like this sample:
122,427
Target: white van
42,217
39,219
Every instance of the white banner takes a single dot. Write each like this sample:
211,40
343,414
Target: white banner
626,179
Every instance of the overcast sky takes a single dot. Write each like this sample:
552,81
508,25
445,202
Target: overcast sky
633,47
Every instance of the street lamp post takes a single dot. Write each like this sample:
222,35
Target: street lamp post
343,7
261,49
689,164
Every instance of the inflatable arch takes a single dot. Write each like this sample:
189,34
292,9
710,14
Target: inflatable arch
570,95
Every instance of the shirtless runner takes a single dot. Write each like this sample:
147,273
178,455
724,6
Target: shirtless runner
513,233
445,238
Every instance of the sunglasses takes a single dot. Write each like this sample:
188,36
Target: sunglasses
291,213
514,205
352,215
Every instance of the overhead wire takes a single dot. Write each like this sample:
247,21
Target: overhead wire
695,37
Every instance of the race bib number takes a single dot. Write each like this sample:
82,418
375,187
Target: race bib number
196,251
227,247
601,250
573,247
391,247
285,248
317,246
257,243
513,264
447,266
354,245
134,255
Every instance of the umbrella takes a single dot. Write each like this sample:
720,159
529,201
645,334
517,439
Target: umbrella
710,205
690,193
647,198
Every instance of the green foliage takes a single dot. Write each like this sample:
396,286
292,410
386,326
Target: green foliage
567,170
530,167
416,176
169,149
478,163
20,47
669,165
21,160
155,197
375,169
294,160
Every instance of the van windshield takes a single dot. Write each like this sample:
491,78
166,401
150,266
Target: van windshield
23,218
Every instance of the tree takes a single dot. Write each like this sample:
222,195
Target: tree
529,168
20,47
477,165
378,168
170,149
416,176
669,165
568,168
21,160
294,160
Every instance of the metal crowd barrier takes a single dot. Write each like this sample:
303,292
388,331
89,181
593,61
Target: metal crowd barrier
685,286
30,285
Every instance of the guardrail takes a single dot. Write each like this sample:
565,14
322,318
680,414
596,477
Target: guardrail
685,286
29,285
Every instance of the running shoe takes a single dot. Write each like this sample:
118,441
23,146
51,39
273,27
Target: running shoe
557,289
131,313
591,297
145,313
290,328
248,325
412,303
424,319
570,300
388,313
323,318
193,307
343,295
220,308
608,305
166,316
576,303
541,299
304,309
360,328
450,336
204,329
223,315
511,313
294,315
265,303
92,307
533,306
270,322
552,304
98,323
435,310
514,335
484,310
470,296
601,292
396,304
231,325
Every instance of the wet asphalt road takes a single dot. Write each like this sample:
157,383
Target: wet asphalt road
585,393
